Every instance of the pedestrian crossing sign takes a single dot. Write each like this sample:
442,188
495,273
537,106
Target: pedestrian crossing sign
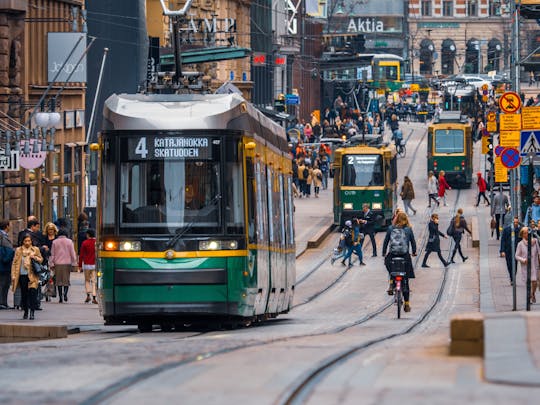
530,143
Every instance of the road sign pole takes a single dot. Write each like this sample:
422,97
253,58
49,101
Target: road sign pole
513,176
529,258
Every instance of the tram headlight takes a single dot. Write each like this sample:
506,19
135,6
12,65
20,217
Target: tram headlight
110,245
130,246
347,206
376,206
218,245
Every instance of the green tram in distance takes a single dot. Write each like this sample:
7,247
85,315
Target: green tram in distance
365,171
450,148
196,224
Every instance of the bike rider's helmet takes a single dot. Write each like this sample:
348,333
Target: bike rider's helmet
348,224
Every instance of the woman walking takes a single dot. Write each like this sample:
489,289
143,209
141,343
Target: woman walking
22,275
407,195
62,259
432,189
434,241
460,226
443,186
521,257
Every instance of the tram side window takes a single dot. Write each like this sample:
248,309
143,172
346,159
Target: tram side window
449,141
251,199
362,170
234,208
109,191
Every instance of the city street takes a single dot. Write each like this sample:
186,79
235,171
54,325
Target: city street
338,313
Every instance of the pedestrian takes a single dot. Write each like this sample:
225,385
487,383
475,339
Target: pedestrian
397,240
443,186
62,259
355,245
432,188
521,257
346,241
6,260
309,179
482,187
87,262
81,234
317,180
407,195
32,229
434,241
534,210
459,227
505,249
303,173
367,220
325,169
50,234
531,78
22,274
499,207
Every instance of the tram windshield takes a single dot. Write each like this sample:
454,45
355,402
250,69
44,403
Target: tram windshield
187,195
362,170
449,141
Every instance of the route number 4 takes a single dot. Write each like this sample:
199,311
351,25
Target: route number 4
141,148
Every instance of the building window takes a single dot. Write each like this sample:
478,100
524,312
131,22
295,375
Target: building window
448,55
472,8
426,8
495,8
448,8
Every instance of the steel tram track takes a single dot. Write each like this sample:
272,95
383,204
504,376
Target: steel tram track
304,387
127,382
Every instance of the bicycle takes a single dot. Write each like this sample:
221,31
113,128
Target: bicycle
398,280
401,148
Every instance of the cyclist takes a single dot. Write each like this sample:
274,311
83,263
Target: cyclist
398,238
397,135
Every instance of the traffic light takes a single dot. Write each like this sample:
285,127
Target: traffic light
490,152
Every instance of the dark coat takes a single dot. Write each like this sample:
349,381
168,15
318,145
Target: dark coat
506,239
434,240
6,253
370,219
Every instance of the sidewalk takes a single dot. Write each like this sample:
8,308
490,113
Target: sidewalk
313,221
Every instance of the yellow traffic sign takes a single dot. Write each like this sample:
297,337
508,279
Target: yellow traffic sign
510,139
485,148
491,126
491,116
501,172
415,87
510,122
510,102
530,117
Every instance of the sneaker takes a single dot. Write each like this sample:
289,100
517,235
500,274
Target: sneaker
362,264
343,262
332,261
407,307
349,265
465,258
87,300
94,301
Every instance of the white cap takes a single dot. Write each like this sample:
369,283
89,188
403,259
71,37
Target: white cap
348,223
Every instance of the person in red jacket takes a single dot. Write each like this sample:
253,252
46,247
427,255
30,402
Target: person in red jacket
443,186
482,187
87,261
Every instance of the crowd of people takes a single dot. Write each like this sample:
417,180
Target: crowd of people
55,250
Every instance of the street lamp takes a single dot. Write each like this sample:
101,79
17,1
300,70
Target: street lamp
47,121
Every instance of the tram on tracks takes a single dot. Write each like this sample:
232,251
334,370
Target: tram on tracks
365,171
450,148
196,223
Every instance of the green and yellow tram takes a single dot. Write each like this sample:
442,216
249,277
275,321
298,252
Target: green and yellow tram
450,148
196,220
365,172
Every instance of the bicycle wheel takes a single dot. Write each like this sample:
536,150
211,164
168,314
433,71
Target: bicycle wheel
399,302
402,151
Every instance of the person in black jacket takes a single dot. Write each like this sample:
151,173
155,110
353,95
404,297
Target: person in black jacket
434,241
506,250
460,226
32,229
367,219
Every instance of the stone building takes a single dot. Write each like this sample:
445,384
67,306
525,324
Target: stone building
55,187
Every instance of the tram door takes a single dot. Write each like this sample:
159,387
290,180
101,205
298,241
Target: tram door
61,201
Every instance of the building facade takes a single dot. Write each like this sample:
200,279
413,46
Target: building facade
459,36
50,180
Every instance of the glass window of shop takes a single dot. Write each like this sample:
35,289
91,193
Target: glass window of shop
426,8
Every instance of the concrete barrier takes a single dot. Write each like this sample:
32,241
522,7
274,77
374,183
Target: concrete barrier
475,233
467,334
31,332
321,234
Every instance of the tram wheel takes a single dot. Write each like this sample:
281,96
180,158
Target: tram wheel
166,327
144,327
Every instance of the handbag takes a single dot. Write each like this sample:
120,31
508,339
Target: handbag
38,268
493,225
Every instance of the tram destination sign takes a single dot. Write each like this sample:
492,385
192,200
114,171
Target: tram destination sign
169,148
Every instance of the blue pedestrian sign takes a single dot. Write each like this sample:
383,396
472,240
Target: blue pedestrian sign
292,99
530,143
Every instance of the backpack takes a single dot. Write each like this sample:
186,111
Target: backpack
399,242
451,229
306,173
348,237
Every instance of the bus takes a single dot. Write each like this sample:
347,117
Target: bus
196,212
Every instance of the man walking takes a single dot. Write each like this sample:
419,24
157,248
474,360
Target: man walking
367,220
506,245
498,210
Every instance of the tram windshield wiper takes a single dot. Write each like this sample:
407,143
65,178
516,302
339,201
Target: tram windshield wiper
182,231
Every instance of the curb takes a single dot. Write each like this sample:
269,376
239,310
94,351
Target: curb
318,238
32,332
